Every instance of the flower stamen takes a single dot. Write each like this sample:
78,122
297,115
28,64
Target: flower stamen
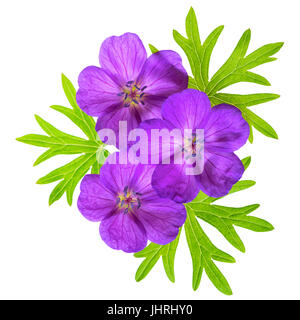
128,201
132,94
190,146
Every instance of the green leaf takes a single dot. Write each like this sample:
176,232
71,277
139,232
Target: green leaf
64,170
259,124
234,70
242,185
208,47
152,253
261,55
244,114
215,275
58,142
57,192
243,100
70,91
220,218
147,250
89,122
193,84
95,168
78,173
202,252
246,162
230,67
70,174
38,140
192,31
250,134
224,219
187,47
47,155
88,128
169,257
252,223
197,54
153,49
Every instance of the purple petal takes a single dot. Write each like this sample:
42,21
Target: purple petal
187,109
141,179
95,201
171,181
123,56
161,218
155,123
115,177
110,119
97,91
221,172
152,107
225,130
123,232
163,74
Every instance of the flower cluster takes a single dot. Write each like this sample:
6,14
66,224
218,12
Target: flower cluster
140,202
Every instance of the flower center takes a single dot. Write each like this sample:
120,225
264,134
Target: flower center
128,201
132,94
190,147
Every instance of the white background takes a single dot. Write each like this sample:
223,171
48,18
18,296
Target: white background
54,252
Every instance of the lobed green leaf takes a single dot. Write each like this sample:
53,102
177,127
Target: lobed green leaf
234,70
261,55
59,142
39,140
229,68
70,174
252,223
220,218
87,128
246,162
152,253
250,134
168,257
208,47
87,121
153,49
202,253
259,124
243,100
150,261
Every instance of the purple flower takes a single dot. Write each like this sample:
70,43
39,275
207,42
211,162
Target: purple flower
129,87
225,131
130,211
